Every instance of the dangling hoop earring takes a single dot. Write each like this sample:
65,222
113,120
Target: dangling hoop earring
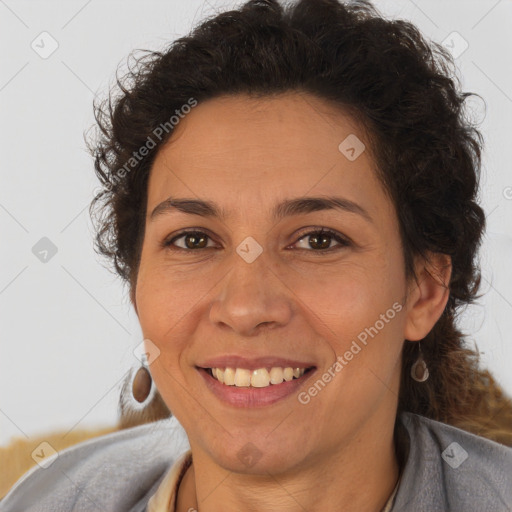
142,384
419,370
142,389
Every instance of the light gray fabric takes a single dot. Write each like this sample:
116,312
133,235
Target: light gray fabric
115,472
119,472
433,483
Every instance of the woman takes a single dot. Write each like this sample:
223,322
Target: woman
291,197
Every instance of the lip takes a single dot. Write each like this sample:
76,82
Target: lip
249,397
234,361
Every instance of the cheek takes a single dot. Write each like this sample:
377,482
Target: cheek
164,300
344,295
159,321
170,306
162,316
356,310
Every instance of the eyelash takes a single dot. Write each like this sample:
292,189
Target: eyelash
168,243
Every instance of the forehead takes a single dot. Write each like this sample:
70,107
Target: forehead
247,151
270,125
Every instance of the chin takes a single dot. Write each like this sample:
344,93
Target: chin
258,456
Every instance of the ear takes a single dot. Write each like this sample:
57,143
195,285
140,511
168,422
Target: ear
428,295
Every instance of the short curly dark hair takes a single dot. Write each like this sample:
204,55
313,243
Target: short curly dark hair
403,90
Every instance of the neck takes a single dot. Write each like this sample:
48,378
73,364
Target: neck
360,478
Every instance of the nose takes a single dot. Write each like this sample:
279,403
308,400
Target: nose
252,297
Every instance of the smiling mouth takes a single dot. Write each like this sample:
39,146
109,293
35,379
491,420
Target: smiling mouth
259,378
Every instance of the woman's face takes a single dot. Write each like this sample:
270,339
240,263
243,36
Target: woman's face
260,282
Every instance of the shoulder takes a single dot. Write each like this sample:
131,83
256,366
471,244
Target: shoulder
450,469
115,472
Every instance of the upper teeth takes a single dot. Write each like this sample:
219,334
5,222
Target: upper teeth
259,378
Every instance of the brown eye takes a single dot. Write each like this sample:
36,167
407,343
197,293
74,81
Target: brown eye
320,241
191,240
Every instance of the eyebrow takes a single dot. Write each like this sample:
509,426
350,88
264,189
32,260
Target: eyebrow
289,207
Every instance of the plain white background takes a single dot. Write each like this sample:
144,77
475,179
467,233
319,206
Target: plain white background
67,330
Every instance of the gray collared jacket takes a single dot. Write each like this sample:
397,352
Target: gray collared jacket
446,470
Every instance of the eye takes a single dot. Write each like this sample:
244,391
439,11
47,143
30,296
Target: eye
320,240
192,240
